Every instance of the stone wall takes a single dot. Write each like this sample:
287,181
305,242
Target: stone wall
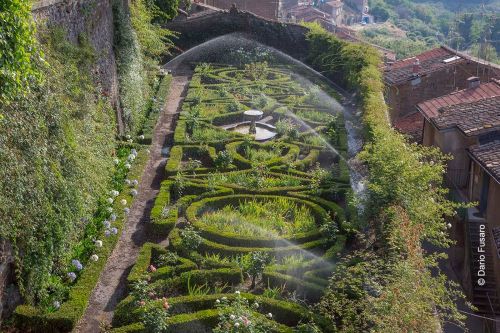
286,37
9,295
93,19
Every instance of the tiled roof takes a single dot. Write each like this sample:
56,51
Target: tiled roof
411,125
471,118
430,61
335,3
430,107
488,155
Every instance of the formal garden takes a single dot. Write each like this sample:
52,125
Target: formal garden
254,226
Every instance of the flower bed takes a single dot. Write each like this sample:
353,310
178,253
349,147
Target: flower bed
65,318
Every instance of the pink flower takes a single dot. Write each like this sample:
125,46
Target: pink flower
152,268
245,320
142,303
166,306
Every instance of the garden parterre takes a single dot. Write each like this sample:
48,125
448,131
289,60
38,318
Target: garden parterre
254,228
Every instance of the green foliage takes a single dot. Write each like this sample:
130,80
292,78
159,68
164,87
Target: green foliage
223,159
166,259
254,264
280,216
427,24
238,316
191,239
19,55
155,320
55,163
139,45
407,203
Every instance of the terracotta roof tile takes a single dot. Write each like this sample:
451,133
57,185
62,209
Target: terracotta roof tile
471,118
430,107
430,61
488,155
411,125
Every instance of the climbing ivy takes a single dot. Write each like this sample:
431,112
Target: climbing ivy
139,45
17,49
56,153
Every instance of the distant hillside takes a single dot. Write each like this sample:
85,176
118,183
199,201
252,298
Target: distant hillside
425,24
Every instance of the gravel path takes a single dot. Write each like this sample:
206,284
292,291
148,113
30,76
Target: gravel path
111,287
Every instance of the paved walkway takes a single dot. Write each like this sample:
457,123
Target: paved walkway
111,287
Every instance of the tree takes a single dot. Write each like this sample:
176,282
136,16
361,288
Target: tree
255,263
168,8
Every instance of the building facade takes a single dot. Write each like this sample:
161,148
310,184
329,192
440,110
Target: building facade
466,125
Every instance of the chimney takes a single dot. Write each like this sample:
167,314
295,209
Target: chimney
473,82
416,66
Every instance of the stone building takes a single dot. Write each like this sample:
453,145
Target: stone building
466,125
434,73
271,9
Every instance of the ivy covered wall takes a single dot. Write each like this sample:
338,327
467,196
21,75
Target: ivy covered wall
59,130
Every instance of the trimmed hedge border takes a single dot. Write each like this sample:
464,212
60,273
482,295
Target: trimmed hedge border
70,312
162,225
243,163
156,108
285,313
177,153
232,239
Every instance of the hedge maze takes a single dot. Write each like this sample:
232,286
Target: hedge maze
254,228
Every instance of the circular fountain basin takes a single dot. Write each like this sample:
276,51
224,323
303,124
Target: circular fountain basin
263,131
253,113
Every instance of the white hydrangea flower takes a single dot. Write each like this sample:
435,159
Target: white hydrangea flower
232,317
110,200
98,243
269,315
126,210
141,137
110,209
94,257
116,161
112,217
56,304
127,165
123,202
237,292
135,182
114,231
236,325
131,157
127,136
134,152
127,181
217,301
133,192
72,276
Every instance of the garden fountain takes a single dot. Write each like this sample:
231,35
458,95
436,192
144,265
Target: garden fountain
260,130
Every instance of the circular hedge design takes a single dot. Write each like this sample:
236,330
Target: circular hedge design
196,210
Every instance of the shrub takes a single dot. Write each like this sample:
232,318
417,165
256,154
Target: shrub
223,160
190,239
